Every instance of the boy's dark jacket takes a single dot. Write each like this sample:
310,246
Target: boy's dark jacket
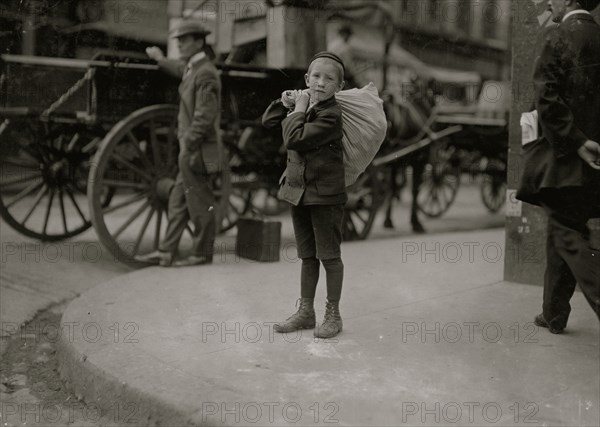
567,83
315,165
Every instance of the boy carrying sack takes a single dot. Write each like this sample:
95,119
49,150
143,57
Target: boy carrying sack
364,126
315,181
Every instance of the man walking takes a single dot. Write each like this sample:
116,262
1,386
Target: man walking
199,147
567,83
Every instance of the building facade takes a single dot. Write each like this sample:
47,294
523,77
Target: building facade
467,35
81,28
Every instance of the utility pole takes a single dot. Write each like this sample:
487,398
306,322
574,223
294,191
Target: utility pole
525,253
28,29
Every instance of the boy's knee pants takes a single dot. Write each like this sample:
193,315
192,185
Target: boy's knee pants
318,230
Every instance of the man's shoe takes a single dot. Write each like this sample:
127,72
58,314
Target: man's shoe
541,322
304,318
163,259
193,260
332,325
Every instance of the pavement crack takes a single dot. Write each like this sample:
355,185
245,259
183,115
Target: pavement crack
216,351
29,283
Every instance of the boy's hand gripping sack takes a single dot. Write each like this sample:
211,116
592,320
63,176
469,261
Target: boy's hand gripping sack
364,127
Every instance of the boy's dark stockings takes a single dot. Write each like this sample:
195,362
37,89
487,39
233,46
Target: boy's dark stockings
334,269
309,276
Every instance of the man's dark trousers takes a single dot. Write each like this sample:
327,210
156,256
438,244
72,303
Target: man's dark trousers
570,257
191,199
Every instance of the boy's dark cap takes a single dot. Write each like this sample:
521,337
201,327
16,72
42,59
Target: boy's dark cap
189,26
589,4
331,56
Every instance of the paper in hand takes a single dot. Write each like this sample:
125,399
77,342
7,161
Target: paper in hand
529,127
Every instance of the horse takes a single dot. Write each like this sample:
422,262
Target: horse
409,117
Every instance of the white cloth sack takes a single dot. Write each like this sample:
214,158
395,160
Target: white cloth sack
364,126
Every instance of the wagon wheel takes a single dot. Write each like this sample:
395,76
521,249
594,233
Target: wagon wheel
493,185
439,184
240,198
138,157
364,198
265,155
43,171
256,162
493,192
266,202
239,203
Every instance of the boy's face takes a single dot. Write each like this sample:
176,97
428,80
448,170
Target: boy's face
323,79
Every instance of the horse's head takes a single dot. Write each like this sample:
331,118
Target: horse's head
409,108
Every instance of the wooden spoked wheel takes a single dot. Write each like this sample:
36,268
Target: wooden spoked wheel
43,174
439,185
364,198
239,202
138,158
256,162
493,185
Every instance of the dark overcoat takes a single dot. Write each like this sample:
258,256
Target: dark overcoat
567,87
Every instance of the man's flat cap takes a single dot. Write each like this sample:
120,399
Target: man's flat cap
589,4
189,26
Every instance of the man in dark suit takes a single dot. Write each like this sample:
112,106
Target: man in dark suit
567,83
199,147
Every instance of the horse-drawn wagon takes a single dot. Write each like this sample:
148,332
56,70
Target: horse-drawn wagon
94,143
440,144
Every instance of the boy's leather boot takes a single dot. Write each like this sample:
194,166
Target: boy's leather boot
332,325
304,318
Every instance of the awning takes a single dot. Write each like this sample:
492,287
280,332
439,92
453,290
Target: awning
373,13
143,34
145,21
368,47
397,57
450,76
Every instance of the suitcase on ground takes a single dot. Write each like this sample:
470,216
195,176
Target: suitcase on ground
258,239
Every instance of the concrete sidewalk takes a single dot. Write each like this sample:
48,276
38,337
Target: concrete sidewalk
432,336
